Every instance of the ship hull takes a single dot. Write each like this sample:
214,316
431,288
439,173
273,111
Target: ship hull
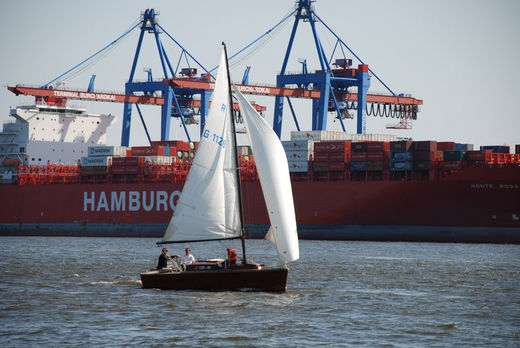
479,204
267,279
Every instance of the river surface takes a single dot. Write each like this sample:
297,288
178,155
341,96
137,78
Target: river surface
87,292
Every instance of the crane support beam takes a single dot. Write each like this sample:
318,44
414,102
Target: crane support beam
109,97
293,92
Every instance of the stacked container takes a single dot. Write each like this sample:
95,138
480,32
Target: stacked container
496,148
127,165
298,153
378,153
331,156
100,158
424,155
358,157
401,156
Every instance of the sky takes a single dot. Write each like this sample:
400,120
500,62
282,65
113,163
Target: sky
459,57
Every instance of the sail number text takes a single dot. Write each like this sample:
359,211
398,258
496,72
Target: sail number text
214,137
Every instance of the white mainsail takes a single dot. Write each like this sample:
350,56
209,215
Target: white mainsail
273,172
209,206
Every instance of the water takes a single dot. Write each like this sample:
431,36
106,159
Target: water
86,292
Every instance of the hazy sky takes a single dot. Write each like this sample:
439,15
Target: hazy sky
459,57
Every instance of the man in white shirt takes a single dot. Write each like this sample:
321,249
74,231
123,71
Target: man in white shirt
188,258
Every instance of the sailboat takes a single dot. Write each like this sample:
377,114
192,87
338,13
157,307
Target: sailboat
210,205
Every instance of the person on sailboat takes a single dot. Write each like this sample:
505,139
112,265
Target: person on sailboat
188,258
163,259
232,256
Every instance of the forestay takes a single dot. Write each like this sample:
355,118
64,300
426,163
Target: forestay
273,171
208,208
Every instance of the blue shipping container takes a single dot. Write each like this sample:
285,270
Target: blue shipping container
496,148
398,156
401,166
358,166
463,147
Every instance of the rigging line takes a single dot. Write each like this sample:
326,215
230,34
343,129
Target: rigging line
95,54
373,73
260,37
333,51
186,52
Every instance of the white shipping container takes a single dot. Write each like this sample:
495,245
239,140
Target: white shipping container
297,155
100,151
298,166
302,145
163,160
96,161
319,135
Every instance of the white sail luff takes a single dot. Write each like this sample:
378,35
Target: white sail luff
208,207
273,172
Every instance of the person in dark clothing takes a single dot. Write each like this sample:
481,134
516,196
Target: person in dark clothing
163,259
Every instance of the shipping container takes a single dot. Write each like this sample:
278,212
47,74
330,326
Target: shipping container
298,166
102,151
318,135
376,156
337,166
127,170
320,166
453,165
424,145
127,161
463,147
297,155
359,147
400,146
446,146
517,149
177,144
332,146
479,155
148,150
422,165
424,155
96,161
496,148
162,160
94,170
401,166
377,146
338,157
454,155
320,157
307,145
358,156
358,166
375,166
398,156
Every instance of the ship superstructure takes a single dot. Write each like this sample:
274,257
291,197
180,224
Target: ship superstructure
49,133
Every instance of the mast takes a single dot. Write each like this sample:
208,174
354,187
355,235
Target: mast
242,236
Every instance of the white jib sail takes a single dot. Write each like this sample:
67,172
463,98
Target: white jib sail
208,207
273,171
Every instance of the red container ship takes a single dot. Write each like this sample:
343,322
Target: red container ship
343,190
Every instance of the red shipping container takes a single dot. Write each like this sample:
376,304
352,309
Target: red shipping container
422,165
358,156
127,161
424,155
376,146
339,157
128,152
332,146
148,150
425,145
453,165
337,166
479,155
445,146
375,156
321,157
180,145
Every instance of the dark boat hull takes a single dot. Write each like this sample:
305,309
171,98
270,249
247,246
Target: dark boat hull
264,279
